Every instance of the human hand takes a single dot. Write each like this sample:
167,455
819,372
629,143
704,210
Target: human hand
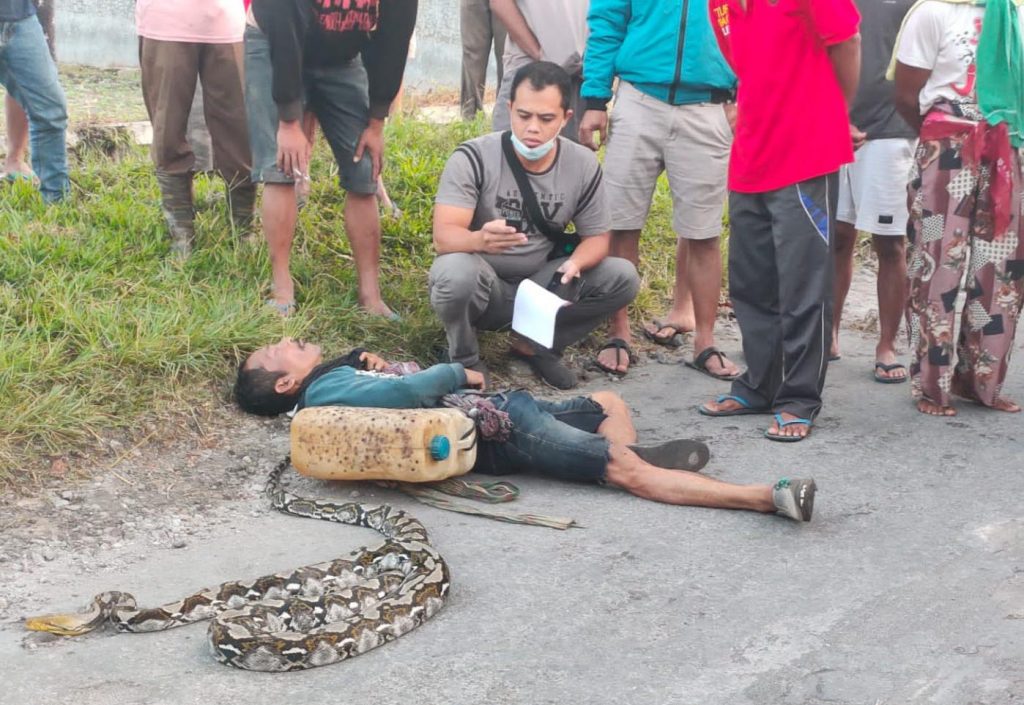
498,237
372,362
857,137
372,140
474,379
593,121
570,270
730,115
293,149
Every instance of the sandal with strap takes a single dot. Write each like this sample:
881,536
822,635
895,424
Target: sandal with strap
670,341
284,310
781,423
746,408
618,344
700,363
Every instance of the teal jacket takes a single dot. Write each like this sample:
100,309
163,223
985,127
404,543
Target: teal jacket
665,48
346,386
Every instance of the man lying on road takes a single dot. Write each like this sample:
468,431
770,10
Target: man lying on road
588,439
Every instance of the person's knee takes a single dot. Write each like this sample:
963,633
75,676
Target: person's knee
889,248
454,278
611,403
625,470
621,276
845,240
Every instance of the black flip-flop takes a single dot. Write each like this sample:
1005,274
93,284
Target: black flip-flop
889,368
678,454
700,363
618,344
673,341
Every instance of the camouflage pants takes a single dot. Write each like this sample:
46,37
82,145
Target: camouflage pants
951,233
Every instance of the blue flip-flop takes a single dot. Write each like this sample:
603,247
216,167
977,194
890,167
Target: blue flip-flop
746,409
782,423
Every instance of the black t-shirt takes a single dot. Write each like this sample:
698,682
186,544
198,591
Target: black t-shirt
15,10
873,110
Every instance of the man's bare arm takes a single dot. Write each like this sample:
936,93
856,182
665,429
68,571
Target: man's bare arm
907,96
845,57
510,16
452,233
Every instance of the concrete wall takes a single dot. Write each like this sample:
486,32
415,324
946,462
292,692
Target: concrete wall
102,33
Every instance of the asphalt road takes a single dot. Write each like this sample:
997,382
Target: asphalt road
907,587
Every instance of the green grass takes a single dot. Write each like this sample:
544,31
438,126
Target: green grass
100,330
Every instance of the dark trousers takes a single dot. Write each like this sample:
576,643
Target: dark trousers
780,281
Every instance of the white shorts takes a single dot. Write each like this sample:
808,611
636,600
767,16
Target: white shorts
873,190
690,143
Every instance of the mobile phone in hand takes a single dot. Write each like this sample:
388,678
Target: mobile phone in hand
516,223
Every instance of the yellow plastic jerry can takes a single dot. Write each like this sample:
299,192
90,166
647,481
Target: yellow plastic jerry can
407,445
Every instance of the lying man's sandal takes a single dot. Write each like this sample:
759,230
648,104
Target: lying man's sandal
745,407
669,341
678,454
781,423
620,346
883,379
700,363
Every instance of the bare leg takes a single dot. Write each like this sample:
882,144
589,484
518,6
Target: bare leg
362,224
681,315
618,427
705,275
17,138
279,215
625,244
846,241
892,298
628,471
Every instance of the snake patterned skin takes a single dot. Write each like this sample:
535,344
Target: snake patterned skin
311,616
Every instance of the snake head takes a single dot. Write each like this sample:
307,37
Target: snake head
83,622
62,624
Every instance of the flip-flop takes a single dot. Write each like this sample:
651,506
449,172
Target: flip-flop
618,344
745,410
835,358
678,454
284,310
700,363
782,423
673,341
881,379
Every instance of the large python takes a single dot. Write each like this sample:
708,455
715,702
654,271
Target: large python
311,616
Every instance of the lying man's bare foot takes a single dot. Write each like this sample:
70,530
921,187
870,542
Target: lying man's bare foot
927,406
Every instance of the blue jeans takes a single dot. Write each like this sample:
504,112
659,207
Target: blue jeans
555,439
28,73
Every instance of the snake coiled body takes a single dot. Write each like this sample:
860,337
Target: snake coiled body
311,616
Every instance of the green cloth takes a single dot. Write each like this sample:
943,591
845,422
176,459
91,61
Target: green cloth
1000,67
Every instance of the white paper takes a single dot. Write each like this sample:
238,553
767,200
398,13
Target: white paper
534,313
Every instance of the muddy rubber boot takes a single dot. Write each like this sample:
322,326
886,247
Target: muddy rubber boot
176,201
241,203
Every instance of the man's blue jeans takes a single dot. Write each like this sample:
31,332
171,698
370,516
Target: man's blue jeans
28,73
551,438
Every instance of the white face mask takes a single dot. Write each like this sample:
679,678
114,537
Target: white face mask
533,153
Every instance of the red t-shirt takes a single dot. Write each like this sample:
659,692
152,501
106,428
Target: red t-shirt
793,122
